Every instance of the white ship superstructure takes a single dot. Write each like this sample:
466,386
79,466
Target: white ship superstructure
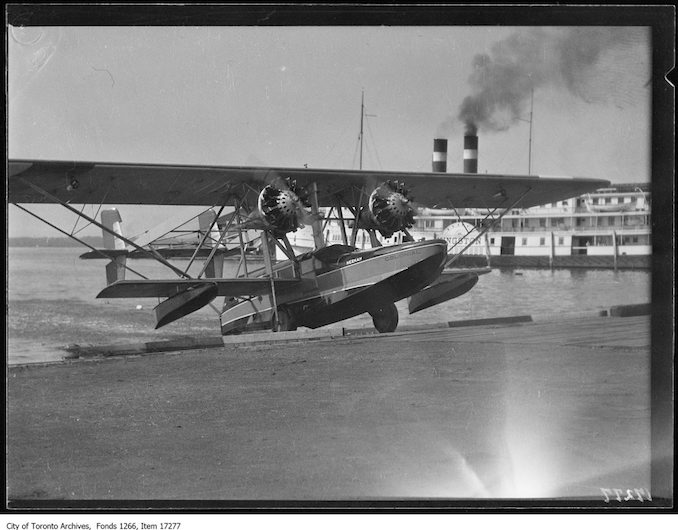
608,222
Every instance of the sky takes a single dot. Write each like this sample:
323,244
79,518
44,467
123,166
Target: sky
289,96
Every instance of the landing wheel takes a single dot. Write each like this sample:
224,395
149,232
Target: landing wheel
285,320
385,319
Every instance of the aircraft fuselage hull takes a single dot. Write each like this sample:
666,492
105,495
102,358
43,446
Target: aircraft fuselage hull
355,283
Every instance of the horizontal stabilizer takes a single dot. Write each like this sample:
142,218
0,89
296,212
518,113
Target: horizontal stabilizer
169,288
103,253
167,253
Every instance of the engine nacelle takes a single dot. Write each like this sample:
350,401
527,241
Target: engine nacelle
389,209
284,208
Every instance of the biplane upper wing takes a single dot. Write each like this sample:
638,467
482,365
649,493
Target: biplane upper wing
225,287
116,183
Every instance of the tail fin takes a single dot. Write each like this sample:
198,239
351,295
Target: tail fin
215,267
115,270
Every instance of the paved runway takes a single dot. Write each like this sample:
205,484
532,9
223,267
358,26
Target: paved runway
539,409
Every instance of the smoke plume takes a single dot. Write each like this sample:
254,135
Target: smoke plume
565,58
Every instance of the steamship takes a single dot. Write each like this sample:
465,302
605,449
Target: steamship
606,229
609,228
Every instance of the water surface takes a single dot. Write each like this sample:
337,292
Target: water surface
52,301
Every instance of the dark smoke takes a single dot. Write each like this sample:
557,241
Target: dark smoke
568,58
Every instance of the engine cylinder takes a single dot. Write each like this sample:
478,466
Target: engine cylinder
283,208
390,208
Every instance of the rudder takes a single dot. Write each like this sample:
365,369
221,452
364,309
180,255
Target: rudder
115,270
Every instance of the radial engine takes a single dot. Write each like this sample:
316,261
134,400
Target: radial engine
389,209
284,207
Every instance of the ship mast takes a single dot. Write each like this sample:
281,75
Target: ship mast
529,149
362,115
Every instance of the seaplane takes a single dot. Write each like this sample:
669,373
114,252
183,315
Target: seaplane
256,208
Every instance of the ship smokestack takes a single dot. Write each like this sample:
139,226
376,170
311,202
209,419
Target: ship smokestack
439,155
470,153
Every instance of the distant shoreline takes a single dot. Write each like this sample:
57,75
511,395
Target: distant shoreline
63,242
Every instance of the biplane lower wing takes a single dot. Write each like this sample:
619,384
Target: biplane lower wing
115,183
225,287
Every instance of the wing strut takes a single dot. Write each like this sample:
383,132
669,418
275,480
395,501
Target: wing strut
243,259
354,211
485,229
315,224
221,238
340,213
152,252
203,238
269,271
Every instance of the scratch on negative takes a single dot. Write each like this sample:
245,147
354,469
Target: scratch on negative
170,190
104,70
